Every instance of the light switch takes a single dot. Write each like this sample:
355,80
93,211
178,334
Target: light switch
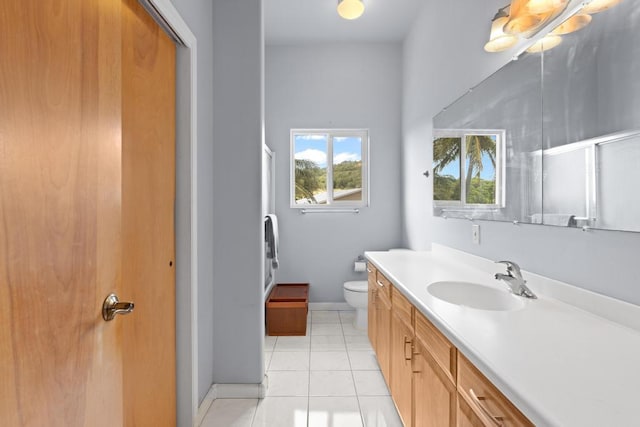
475,233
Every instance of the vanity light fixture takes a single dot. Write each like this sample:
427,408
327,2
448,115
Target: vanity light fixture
575,23
350,9
521,18
596,6
498,40
548,42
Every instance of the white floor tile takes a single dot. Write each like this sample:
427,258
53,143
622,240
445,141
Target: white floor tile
334,412
379,411
357,342
267,359
269,342
281,412
320,316
330,361
327,343
230,413
331,383
347,316
370,383
349,329
288,383
326,329
363,361
289,361
293,344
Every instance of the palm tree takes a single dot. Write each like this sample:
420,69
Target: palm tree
448,149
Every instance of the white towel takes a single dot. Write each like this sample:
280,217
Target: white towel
272,238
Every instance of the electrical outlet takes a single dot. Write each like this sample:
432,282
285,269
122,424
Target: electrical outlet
475,233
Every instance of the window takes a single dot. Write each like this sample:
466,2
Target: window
329,168
468,168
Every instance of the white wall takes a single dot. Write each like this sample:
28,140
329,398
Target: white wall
335,86
238,229
439,65
198,14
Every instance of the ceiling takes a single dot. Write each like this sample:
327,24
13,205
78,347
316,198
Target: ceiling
316,21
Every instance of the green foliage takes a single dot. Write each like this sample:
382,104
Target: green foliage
445,187
347,175
481,192
310,179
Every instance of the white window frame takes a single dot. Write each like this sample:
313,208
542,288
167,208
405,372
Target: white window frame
461,204
331,134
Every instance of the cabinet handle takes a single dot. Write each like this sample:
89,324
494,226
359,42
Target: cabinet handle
369,270
407,341
496,420
380,283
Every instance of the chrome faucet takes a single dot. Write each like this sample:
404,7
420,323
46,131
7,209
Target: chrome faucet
514,279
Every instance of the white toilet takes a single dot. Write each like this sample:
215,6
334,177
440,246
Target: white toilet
355,293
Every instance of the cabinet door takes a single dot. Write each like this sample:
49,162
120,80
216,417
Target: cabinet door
466,416
434,392
383,338
371,307
401,370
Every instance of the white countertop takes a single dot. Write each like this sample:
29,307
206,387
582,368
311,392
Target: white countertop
561,365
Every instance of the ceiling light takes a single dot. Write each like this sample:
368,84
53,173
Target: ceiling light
498,40
575,23
599,5
548,42
526,16
350,9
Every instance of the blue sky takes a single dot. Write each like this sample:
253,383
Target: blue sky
314,148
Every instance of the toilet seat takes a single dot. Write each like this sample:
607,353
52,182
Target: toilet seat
356,286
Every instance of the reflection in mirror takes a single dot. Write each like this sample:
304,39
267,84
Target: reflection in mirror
591,115
484,148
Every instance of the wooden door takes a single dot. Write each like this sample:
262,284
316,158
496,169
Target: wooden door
435,391
372,330
69,234
148,196
383,325
401,370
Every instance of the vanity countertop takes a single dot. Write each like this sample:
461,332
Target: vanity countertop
560,364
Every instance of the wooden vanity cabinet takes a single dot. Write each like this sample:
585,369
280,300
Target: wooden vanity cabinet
480,403
434,380
383,326
402,342
372,330
431,383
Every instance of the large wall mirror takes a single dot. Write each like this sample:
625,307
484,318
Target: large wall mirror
566,125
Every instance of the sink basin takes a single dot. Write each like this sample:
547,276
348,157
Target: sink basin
475,296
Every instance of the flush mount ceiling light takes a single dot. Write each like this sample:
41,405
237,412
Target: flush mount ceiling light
599,5
350,9
528,15
498,40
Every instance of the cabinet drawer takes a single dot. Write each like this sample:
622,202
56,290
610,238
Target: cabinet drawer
402,308
484,399
384,285
437,344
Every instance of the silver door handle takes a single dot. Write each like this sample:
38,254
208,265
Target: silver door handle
112,306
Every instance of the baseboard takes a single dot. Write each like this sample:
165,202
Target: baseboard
330,306
230,391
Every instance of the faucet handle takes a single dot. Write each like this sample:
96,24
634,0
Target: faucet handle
512,267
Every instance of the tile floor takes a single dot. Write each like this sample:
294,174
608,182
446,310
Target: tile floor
328,378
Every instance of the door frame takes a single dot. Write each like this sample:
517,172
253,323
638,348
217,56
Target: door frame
186,207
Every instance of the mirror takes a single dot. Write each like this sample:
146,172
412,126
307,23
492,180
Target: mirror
485,146
591,132
569,134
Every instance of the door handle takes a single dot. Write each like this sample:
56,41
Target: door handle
112,306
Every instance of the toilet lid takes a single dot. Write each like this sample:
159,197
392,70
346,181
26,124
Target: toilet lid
356,286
